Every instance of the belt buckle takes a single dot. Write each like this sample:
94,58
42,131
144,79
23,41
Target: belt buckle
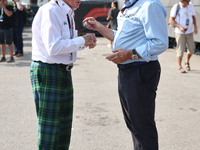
69,67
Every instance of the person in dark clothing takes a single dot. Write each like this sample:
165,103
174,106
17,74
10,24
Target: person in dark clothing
18,30
6,30
112,17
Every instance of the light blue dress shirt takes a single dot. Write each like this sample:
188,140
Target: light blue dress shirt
142,27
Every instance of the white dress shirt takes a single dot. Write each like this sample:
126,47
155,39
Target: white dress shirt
51,41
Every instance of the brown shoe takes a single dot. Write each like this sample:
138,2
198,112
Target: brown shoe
19,55
14,54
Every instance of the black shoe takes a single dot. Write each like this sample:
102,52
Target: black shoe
3,59
11,60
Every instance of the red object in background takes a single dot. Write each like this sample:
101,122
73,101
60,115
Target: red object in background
97,12
90,8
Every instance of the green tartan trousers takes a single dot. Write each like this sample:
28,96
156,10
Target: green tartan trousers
53,94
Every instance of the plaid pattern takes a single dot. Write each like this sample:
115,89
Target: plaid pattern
53,95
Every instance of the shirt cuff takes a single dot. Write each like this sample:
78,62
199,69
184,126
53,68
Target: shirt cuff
80,43
141,50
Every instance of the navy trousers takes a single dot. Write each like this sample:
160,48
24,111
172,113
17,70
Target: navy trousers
137,91
18,40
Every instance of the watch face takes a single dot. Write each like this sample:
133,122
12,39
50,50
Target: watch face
135,56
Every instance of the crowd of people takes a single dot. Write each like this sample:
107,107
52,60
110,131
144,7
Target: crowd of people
12,21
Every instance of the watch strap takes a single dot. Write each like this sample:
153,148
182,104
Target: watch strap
134,56
133,51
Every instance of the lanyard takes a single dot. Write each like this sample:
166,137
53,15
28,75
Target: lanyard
1,11
184,11
69,24
70,27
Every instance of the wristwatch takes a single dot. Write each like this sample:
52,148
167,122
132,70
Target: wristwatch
134,56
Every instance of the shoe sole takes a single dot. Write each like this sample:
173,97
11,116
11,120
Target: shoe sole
10,61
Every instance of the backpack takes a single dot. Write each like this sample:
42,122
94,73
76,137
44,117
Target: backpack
177,10
14,20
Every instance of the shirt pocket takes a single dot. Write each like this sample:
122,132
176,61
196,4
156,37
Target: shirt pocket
65,31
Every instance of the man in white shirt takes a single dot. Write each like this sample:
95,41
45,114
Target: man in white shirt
54,47
183,23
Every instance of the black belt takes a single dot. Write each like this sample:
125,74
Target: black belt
67,67
126,66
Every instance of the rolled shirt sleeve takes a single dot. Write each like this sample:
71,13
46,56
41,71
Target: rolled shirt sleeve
156,32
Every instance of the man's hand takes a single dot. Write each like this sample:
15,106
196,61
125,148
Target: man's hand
181,29
90,40
120,55
91,23
195,30
1,4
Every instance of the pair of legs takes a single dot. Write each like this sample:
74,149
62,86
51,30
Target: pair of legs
6,37
179,59
137,91
181,40
3,49
53,95
18,40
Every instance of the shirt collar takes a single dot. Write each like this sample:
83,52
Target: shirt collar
129,3
65,7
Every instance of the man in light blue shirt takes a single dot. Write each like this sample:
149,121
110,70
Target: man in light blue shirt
141,36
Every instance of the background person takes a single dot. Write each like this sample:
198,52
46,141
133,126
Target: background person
54,48
184,30
140,38
6,30
18,30
112,17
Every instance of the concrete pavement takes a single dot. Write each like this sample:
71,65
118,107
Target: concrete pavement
98,121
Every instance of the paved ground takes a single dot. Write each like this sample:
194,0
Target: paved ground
98,122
